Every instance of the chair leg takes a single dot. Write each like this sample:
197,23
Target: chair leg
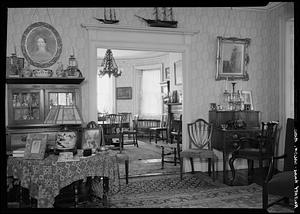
213,169
126,170
231,161
192,165
156,135
175,158
250,171
265,196
136,141
181,167
162,157
209,167
150,135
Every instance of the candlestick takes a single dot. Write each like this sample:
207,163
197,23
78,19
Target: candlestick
226,83
73,51
15,49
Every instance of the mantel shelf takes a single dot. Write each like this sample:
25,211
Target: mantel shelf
125,28
23,80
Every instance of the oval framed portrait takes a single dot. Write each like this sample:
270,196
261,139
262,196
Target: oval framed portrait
41,45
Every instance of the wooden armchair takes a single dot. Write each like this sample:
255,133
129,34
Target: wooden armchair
282,183
260,148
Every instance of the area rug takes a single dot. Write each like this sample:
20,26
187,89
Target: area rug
144,151
194,191
146,160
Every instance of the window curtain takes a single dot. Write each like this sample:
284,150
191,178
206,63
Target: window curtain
150,99
106,94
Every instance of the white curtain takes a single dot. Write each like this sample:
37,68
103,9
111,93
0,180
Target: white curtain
106,94
150,99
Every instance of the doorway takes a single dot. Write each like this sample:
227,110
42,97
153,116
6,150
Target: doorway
145,73
147,39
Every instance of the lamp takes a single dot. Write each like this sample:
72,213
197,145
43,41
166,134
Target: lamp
72,70
109,66
65,115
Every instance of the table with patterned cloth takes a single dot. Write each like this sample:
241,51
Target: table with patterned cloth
45,178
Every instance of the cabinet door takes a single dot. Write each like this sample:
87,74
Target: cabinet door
26,106
62,96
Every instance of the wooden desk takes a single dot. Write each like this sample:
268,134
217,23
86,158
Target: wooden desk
45,178
222,139
226,145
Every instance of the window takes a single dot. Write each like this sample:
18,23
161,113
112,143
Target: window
106,94
150,99
61,98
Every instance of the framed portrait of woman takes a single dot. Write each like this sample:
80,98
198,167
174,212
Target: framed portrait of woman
41,44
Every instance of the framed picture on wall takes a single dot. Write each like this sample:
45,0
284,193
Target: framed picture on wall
124,93
41,44
166,74
232,58
178,72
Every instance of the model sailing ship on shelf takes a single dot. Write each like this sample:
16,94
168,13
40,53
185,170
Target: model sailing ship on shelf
111,16
163,18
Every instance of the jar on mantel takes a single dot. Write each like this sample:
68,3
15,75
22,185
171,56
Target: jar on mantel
26,71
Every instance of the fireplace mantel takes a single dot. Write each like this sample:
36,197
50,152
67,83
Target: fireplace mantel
124,28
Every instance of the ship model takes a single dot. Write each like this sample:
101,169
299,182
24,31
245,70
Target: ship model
108,19
163,18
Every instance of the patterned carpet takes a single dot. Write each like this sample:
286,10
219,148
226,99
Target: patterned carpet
146,159
194,191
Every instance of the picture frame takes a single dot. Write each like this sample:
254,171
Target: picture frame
166,74
124,93
41,44
247,98
91,138
178,72
232,58
35,146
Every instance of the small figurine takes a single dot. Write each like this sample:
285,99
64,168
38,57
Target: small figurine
26,72
60,70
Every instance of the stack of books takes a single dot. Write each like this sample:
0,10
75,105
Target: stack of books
18,153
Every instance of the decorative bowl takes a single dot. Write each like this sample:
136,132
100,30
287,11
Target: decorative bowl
42,73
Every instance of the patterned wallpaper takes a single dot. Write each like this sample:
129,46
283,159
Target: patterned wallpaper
262,27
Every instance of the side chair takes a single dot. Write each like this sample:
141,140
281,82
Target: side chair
163,127
200,132
173,143
258,149
131,131
281,183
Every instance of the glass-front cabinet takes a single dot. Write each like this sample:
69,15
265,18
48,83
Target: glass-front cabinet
30,104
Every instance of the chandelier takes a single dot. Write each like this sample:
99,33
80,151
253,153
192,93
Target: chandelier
109,66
